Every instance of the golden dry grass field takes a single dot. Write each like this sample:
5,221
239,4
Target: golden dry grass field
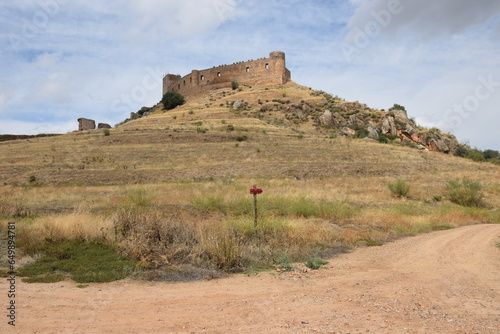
172,188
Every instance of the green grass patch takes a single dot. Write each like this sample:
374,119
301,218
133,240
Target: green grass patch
83,262
284,263
315,263
372,243
442,227
274,206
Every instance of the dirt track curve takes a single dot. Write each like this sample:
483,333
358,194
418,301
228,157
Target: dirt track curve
441,282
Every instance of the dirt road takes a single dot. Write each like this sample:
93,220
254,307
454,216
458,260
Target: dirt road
441,282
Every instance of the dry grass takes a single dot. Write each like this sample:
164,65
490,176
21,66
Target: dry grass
167,195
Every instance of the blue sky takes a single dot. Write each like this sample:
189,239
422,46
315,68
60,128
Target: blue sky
61,59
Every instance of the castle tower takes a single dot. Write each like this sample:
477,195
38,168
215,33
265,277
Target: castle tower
169,82
280,65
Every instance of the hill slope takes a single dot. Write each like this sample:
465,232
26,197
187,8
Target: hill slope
171,188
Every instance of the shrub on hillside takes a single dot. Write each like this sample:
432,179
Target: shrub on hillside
171,100
466,192
399,188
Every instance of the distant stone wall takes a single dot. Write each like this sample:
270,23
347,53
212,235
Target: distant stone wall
264,71
17,137
86,124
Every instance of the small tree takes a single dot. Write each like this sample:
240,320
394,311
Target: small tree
171,100
234,85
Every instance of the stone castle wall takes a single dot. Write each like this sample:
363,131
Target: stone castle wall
264,71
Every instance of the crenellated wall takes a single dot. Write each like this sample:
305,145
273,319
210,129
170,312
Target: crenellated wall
264,71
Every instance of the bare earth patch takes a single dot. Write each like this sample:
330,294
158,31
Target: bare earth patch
441,282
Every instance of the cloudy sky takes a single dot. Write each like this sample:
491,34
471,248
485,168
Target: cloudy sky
62,59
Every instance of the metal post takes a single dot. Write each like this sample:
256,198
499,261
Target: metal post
255,210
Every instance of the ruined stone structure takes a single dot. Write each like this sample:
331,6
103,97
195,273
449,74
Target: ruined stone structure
263,71
103,126
86,124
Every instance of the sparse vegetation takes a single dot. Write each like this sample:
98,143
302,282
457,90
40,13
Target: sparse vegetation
176,203
234,85
315,263
399,188
466,192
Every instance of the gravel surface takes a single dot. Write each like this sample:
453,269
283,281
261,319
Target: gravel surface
441,282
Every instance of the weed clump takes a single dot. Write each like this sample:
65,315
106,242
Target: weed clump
315,263
399,188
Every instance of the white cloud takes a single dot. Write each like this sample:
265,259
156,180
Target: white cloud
31,128
426,19
168,19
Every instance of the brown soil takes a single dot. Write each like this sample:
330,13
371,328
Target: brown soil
441,282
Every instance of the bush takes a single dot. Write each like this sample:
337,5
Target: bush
397,107
171,100
399,188
466,192
234,85
315,263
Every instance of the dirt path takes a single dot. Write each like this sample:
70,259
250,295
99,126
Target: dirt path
442,282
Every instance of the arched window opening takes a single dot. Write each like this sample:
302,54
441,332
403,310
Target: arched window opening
267,66
202,77
248,69
218,74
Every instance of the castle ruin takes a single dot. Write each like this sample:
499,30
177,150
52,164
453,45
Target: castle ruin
263,71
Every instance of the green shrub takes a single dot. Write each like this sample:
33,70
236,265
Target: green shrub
284,263
399,188
466,192
171,100
315,263
234,85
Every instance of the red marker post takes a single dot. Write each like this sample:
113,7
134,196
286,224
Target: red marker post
255,191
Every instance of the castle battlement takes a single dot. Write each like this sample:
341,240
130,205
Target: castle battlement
263,71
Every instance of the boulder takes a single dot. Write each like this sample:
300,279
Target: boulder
347,132
86,124
372,132
103,126
326,118
238,105
388,126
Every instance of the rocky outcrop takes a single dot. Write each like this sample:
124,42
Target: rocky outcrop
353,119
103,126
86,124
332,119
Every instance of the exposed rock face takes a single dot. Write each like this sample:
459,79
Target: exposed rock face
103,126
388,126
86,124
372,132
347,132
351,116
326,118
435,141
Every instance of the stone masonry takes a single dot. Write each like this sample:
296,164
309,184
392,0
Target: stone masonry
263,71
86,124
